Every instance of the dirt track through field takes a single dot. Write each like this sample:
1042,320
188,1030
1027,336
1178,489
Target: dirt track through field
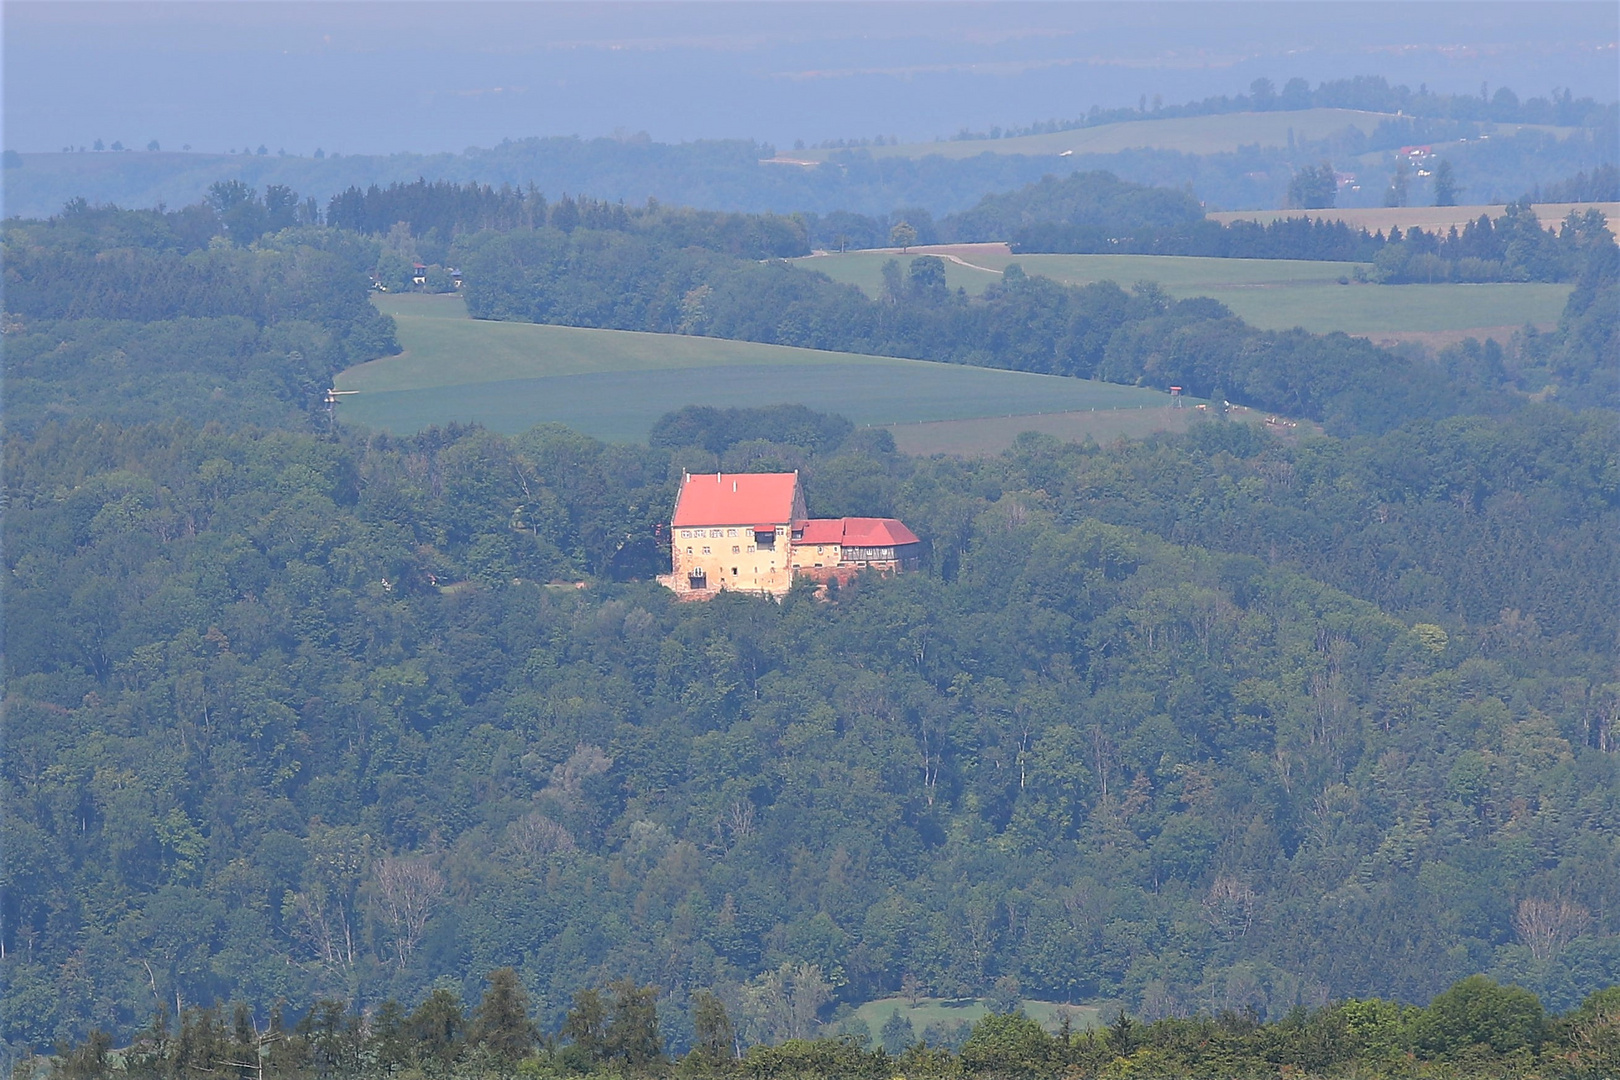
948,252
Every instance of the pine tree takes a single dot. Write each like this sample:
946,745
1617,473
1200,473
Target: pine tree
1445,185
714,1036
632,1034
501,1023
897,1034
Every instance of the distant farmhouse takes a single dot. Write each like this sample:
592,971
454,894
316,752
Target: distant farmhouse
750,532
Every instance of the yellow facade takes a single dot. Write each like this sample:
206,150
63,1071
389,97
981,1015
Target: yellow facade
730,557
817,556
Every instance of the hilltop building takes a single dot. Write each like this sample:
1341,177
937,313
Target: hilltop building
750,532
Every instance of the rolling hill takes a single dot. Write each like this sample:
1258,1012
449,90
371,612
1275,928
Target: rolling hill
614,384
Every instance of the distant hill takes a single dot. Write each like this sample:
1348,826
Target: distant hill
1232,160
1185,134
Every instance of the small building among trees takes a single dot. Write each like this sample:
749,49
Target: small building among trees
751,532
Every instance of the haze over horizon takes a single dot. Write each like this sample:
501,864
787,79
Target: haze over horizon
375,78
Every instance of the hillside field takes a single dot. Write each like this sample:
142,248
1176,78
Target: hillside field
614,384
1215,134
1275,294
1188,134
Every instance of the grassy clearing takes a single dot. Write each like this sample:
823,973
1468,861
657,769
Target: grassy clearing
1049,1014
614,384
1275,294
864,269
1428,218
1189,134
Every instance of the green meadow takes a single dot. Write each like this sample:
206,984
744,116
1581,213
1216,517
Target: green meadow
614,384
1275,294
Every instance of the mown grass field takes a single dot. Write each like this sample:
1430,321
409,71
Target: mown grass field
1275,294
1049,1014
614,384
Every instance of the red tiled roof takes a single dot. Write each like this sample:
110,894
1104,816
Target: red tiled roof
735,499
820,531
855,532
876,532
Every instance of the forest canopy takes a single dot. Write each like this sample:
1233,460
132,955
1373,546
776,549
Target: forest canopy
1203,729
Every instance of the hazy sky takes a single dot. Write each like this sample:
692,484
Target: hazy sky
380,77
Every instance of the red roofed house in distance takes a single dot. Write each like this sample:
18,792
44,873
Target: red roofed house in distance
750,532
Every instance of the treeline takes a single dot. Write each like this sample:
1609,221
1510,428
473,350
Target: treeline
617,281
718,430
1603,185
1511,247
1369,93
1284,238
435,213
134,314
1474,1029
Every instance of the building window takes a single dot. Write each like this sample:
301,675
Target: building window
818,552
733,571
716,532
689,549
705,551
731,532
686,534
751,547
735,549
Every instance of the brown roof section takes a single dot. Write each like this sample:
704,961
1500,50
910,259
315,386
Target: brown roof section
854,532
876,532
736,499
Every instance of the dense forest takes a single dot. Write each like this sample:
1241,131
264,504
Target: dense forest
130,314
272,694
1220,731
